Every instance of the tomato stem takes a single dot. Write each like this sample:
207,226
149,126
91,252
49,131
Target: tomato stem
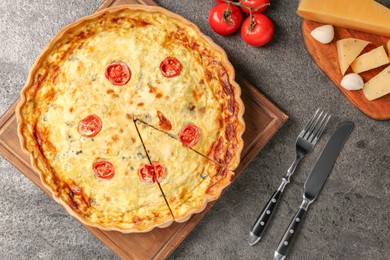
253,23
227,18
244,6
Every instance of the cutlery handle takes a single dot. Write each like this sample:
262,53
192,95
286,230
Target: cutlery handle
288,237
264,217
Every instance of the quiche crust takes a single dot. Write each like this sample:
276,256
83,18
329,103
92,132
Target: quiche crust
37,139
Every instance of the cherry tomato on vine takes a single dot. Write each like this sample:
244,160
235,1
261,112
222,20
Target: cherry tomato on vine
257,32
254,4
225,19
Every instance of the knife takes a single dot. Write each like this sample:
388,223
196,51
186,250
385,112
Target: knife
314,183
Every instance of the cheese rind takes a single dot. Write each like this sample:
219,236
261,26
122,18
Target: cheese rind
370,60
378,86
347,50
361,15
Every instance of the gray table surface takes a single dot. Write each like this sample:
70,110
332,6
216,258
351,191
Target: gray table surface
349,220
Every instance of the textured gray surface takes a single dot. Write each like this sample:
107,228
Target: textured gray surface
350,219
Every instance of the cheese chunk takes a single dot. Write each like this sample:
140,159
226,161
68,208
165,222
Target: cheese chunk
348,49
362,15
378,86
370,60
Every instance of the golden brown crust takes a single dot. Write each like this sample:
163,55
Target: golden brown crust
234,130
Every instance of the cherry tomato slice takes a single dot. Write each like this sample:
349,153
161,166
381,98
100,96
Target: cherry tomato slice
170,67
225,20
118,73
104,169
258,6
259,34
149,173
145,173
159,171
189,135
90,126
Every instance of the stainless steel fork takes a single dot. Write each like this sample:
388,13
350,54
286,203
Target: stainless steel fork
305,143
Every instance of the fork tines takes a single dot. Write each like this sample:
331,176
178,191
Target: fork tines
316,126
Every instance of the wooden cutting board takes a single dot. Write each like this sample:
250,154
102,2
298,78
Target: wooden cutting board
262,117
325,55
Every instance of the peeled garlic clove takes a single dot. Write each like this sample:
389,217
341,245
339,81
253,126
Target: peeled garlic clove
323,34
352,81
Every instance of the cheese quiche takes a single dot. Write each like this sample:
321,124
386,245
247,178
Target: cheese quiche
132,118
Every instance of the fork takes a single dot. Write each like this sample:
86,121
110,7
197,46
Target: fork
305,143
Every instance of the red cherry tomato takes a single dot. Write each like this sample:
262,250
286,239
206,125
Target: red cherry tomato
258,6
146,175
118,73
159,171
104,169
90,126
189,135
149,173
259,32
224,20
170,67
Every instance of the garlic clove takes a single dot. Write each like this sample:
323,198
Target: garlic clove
352,81
323,34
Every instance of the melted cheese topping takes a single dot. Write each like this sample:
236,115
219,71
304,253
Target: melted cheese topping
123,199
69,84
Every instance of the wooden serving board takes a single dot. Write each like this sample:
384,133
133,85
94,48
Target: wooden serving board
263,119
325,55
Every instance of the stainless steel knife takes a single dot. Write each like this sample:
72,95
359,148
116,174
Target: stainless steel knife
314,183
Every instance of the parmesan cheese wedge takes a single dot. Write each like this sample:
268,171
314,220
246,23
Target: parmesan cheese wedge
370,60
361,15
378,86
348,49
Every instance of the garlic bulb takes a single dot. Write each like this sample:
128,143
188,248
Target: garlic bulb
323,34
352,81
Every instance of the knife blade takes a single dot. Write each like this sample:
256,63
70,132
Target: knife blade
314,184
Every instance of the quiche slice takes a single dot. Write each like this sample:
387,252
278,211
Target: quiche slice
187,179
